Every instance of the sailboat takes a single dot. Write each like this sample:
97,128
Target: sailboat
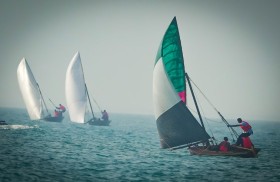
77,96
2,122
32,95
176,125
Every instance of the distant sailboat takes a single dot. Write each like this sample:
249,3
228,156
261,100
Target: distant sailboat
32,95
176,125
77,94
2,122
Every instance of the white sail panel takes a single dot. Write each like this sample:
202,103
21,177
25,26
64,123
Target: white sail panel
29,90
75,90
164,95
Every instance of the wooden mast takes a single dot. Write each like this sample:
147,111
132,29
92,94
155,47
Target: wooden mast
42,98
187,77
89,101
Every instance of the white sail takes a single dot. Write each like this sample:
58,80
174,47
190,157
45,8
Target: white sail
75,90
164,94
30,91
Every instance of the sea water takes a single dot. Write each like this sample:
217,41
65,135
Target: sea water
127,150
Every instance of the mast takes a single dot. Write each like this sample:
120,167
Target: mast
43,98
89,101
187,76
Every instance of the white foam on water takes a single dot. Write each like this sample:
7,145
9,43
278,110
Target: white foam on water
16,127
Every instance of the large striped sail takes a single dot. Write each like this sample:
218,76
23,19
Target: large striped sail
75,90
175,123
30,91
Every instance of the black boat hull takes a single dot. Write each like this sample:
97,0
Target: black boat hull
54,119
99,122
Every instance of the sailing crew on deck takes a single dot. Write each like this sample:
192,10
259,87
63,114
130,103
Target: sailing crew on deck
61,108
105,115
247,130
56,113
224,146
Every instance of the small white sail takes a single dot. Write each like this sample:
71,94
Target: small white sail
30,91
75,90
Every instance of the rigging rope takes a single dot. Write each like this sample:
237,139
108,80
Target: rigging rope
205,119
231,130
47,97
42,98
191,109
52,103
96,103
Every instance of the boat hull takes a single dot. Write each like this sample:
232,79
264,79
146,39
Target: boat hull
99,122
3,123
54,119
234,152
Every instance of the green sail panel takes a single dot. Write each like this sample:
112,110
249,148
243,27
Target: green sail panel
170,51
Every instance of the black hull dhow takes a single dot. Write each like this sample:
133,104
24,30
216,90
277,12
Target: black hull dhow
99,122
77,95
176,125
54,119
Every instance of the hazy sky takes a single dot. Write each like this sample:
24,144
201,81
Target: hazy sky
231,51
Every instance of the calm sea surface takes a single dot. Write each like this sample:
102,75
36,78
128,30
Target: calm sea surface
128,150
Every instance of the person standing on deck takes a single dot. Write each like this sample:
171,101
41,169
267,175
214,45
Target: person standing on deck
247,130
105,115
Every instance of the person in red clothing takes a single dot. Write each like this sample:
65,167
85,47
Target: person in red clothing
247,143
61,108
56,113
224,146
247,130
